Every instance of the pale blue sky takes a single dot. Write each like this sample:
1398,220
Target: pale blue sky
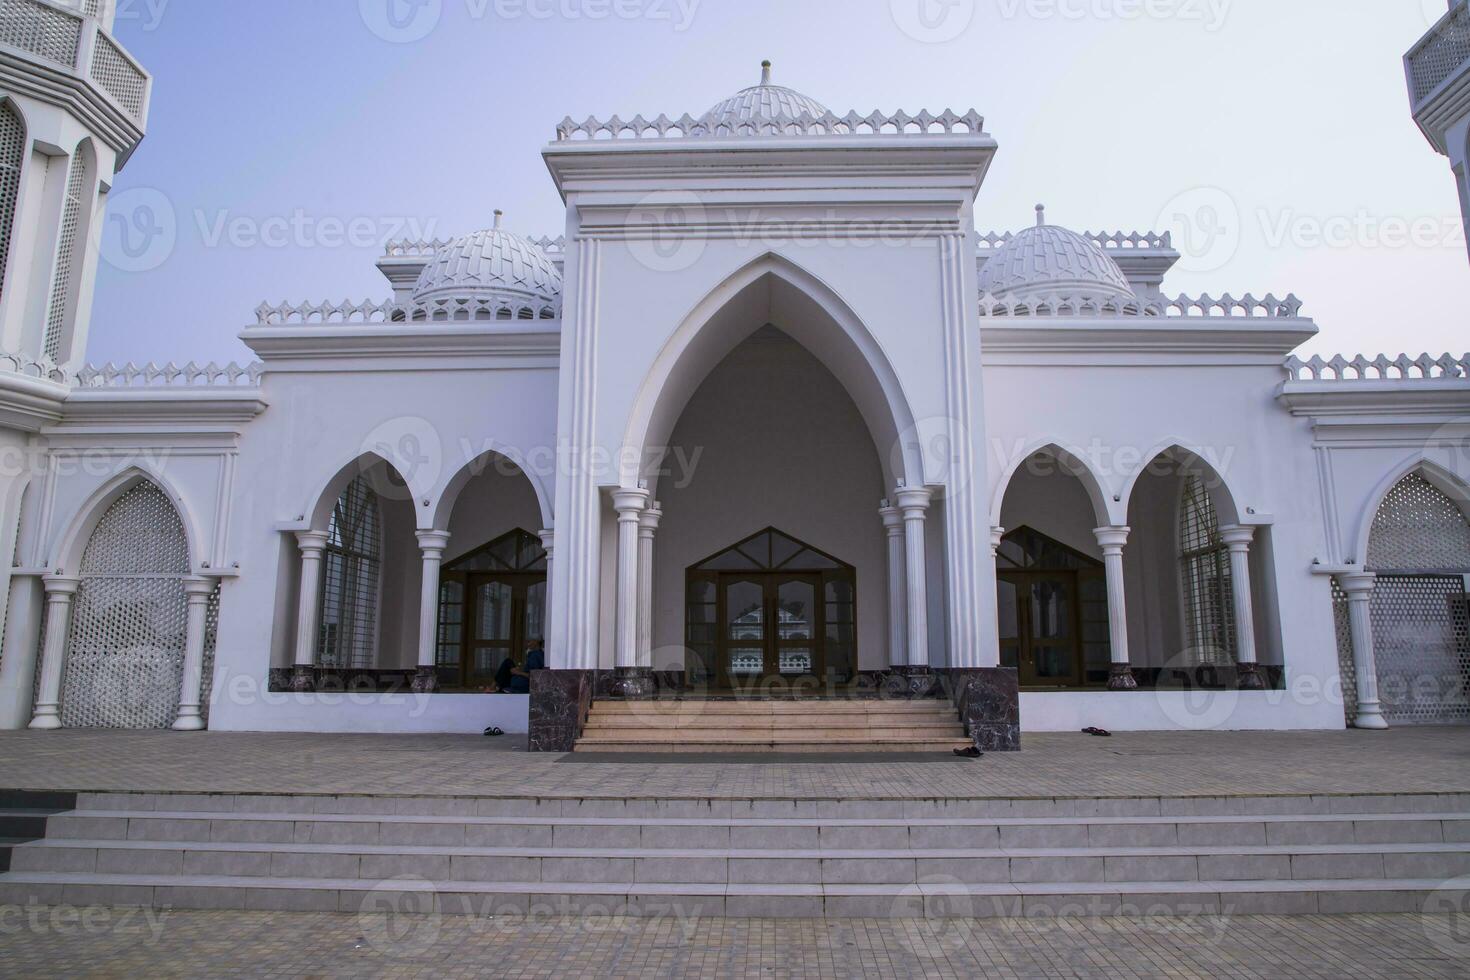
1288,118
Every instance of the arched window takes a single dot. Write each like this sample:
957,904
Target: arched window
125,650
12,155
1204,569
349,605
69,249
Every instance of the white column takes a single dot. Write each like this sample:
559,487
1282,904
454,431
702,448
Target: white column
548,543
59,595
312,544
432,545
21,646
1359,589
629,505
1238,539
1112,540
647,527
915,507
897,590
198,592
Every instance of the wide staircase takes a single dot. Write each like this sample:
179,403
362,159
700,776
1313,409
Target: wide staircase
748,857
773,725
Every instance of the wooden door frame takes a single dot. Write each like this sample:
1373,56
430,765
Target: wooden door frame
1022,580
770,583
520,583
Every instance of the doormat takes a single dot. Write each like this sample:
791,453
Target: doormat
762,758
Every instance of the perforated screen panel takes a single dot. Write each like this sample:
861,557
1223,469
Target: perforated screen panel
42,30
66,255
1418,528
12,156
125,650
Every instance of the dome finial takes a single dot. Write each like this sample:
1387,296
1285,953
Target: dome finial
766,72
1041,215
498,215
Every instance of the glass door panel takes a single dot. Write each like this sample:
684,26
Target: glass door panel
745,628
1052,632
796,626
1008,610
494,631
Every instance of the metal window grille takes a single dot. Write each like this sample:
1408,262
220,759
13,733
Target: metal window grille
41,29
12,156
1347,670
1204,568
66,257
351,565
125,649
117,76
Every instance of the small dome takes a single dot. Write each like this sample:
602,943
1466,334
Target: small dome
491,264
1047,260
761,102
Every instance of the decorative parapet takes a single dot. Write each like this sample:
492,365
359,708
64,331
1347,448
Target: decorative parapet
71,35
801,125
1380,368
169,375
368,312
1440,54
1107,240
27,366
1225,307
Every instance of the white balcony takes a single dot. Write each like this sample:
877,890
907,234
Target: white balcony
69,34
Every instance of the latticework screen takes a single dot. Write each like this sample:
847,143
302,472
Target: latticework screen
12,156
66,259
347,636
118,77
1204,568
40,29
125,652
1418,528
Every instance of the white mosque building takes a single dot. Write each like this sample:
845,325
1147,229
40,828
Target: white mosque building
770,417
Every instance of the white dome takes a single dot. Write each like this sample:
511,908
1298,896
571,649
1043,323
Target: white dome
1047,260
492,264
762,102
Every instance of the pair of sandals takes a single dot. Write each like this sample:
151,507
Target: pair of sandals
494,732
1097,732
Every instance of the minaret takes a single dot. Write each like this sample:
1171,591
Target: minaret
1438,71
71,113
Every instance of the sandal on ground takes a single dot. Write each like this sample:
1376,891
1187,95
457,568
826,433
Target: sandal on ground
494,732
1098,732
970,753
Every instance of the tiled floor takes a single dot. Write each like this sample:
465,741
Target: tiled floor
49,942
1425,760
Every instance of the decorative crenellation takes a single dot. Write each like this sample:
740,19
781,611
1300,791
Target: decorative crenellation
802,124
1107,240
41,368
169,375
449,309
1380,368
1200,307
411,248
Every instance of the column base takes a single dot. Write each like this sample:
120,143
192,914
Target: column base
48,719
1248,677
1122,679
426,681
189,720
633,684
1370,718
303,679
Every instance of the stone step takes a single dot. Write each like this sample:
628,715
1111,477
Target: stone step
767,733
910,745
725,865
727,723
774,707
541,828
934,899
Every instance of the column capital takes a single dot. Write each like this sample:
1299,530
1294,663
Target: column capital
629,503
649,520
892,519
911,499
61,585
1356,583
1112,538
311,541
997,538
548,538
199,589
433,541
1237,537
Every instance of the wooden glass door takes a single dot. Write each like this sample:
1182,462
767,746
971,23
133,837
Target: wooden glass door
493,616
770,626
1039,628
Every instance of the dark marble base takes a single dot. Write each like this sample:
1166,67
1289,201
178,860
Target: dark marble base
1122,679
630,684
426,681
989,703
1249,678
560,701
303,680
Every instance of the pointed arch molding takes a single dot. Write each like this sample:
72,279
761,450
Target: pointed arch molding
437,517
838,338
1451,484
67,557
1083,471
1194,460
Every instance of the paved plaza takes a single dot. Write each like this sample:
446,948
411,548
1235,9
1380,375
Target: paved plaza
1410,760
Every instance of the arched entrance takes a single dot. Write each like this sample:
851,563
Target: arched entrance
1053,612
492,604
771,609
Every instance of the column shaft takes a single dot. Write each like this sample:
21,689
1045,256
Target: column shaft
308,607
629,505
1359,589
1112,540
432,545
198,592
1238,540
59,595
897,586
647,527
915,507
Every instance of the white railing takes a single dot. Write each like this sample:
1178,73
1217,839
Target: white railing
1107,240
1439,54
1380,368
63,34
369,312
170,375
1224,307
802,124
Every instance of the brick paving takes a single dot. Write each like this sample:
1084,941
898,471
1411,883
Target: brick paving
1409,760
105,942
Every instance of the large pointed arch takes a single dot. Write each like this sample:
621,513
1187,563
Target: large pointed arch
317,514
443,509
773,290
1072,461
67,556
1192,461
1449,483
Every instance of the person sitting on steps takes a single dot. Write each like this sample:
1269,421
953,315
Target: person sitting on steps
520,681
